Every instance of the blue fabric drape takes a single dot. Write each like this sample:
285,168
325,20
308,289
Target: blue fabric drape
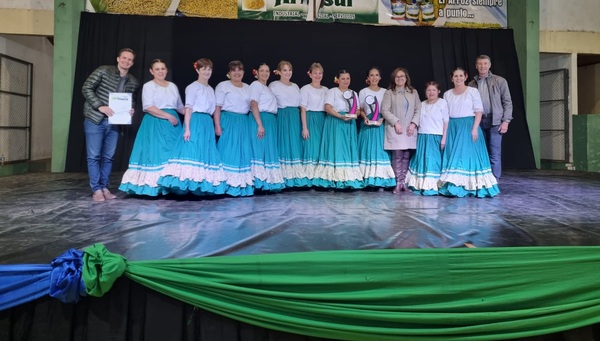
24,283
66,283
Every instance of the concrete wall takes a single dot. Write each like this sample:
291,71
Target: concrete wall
39,52
24,28
570,16
33,17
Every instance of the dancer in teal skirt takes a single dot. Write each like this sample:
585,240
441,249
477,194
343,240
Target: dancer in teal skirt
266,167
466,169
195,166
158,134
373,160
425,167
289,127
312,114
338,158
231,124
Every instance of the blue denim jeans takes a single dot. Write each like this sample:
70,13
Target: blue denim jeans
493,141
101,143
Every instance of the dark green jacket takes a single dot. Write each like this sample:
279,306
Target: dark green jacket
98,85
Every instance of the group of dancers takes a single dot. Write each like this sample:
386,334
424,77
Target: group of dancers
239,138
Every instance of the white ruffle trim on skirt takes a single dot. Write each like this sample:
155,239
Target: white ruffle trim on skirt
423,182
381,171
294,170
270,174
470,180
338,173
143,176
197,172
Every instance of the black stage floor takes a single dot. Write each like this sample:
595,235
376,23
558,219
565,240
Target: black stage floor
45,214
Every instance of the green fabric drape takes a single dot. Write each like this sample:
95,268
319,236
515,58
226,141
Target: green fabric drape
101,268
408,294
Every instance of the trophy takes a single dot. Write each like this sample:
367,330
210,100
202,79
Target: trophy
373,105
350,97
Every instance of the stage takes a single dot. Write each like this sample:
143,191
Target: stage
44,214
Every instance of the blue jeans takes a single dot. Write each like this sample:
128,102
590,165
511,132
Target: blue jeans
101,143
493,141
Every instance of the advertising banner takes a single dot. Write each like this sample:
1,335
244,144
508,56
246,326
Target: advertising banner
437,13
347,11
444,13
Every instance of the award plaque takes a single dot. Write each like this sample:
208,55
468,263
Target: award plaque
350,97
373,115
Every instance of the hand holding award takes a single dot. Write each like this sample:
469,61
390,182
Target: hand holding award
373,105
350,97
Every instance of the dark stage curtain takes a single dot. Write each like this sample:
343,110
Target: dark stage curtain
428,54
129,311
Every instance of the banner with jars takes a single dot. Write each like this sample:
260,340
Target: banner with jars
438,13
444,13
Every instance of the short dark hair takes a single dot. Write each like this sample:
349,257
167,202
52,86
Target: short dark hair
127,49
235,64
156,61
432,83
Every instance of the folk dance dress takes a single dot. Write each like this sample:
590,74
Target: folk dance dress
266,168
466,169
289,133
338,158
425,167
374,161
312,100
154,141
195,166
234,144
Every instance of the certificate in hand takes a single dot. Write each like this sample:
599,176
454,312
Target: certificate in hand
120,103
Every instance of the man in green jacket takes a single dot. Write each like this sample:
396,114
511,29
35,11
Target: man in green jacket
101,137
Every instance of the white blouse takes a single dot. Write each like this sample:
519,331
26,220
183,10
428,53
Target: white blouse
465,104
287,95
200,98
433,116
264,97
362,95
337,101
232,98
313,99
162,97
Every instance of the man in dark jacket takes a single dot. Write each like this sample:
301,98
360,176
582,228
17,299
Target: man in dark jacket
497,109
100,136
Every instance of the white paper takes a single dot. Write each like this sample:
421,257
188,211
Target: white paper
120,103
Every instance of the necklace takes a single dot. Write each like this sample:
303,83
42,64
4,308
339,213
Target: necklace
429,106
